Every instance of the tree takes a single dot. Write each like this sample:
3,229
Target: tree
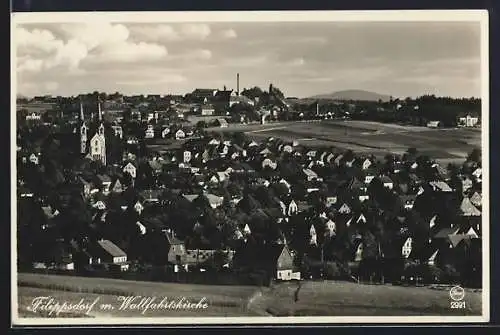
475,156
252,93
412,151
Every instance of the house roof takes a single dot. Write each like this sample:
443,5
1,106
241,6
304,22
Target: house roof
476,199
468,209
441,185
445,232
385,179
104,178
111,248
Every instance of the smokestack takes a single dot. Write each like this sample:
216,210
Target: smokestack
237,84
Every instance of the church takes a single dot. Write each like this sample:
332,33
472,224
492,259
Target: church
96,148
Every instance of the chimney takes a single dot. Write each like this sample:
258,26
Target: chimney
237,84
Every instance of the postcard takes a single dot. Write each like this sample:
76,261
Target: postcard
288,167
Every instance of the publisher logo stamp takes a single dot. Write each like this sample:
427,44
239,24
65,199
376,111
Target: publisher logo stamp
457,295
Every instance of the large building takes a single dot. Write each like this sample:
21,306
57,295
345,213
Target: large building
97,148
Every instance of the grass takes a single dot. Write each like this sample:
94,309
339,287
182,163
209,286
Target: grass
372,137
316,298
222,300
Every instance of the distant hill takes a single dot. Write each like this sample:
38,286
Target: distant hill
358,95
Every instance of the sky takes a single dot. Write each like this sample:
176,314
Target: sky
301,58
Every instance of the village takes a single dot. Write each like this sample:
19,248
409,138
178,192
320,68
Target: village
155,188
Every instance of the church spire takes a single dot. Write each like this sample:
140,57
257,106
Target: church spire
99,109
82,118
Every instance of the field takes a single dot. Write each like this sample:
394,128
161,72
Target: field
316,298
370,137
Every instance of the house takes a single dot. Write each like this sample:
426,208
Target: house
440,186
468,209
476,199
408,201
138,207
267,162
109,254
117,186
222,123
130,169
361,218
468,121
330,201
118,131
34,159
105,182
275,259
207,110
344,209
407,247
187,156
331,227
467,184
387,182
165,132
366,164
176,249
477,173
358,254
311,175
180,134
149,133
434,124
292,208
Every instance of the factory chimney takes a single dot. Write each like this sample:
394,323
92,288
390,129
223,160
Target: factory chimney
237,84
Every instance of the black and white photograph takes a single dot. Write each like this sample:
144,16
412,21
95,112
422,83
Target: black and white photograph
250,167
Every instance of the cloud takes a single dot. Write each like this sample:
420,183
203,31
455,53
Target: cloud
296,62
197,31
148,80
162,32
96,42
95,34
229,33
51,85
130,52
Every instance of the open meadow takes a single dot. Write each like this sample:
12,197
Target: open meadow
316,298
447,145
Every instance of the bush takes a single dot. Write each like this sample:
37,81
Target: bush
333,271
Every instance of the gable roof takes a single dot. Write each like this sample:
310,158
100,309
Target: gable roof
468,209
111,248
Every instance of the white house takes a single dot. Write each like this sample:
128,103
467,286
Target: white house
407,246
344,209
118,131
130,169
150,133
468,121
165,132
366,164
187,156
292,208
180,134
34,159
138,207
331,227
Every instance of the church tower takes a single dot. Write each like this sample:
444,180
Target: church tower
83,131
98,142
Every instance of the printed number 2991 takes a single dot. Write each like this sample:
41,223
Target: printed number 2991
457,304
